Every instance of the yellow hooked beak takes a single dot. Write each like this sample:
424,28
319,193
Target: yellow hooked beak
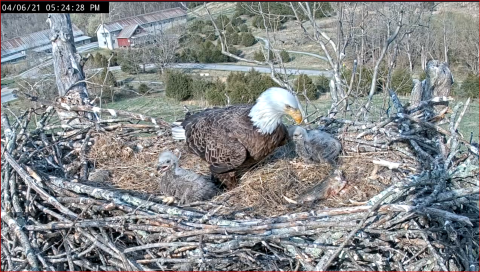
296,114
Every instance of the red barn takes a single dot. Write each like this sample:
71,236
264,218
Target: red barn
130,35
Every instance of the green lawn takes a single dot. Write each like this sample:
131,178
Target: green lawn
155,105
470,120
8,82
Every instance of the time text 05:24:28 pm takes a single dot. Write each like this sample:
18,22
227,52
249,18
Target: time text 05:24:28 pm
54,7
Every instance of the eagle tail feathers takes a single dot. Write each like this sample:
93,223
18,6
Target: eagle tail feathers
178,133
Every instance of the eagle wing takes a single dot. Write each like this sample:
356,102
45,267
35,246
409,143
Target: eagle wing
212,135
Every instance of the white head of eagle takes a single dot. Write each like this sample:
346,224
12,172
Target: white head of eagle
270,107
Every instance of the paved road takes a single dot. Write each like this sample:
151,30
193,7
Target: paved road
219,67
242,68
33,73
7,95
48,61
230,67
143,81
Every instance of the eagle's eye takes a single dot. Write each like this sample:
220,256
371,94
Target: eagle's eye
168,161
288,107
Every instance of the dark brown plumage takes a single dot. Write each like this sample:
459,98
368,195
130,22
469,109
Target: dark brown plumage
234,138
227,140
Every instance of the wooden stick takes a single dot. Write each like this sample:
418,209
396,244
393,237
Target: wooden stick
30,254
439,258
459,119
389,165
120,198
324,265
48,198
86,108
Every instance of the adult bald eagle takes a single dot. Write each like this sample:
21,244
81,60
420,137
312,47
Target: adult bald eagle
234,138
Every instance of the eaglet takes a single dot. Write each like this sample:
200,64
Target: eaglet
314,145
184,185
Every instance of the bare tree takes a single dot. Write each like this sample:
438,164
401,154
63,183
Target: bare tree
398,21
17,24
459,40
162,51
131,59
334,49
119,10
277,69
72,88
372,37
114,11
220,30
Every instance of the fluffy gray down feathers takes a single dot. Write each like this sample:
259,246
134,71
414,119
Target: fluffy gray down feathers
315,145
183,184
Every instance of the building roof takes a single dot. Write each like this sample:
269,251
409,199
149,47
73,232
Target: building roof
145,19
81,38
127,31
49,45
12,57
32,40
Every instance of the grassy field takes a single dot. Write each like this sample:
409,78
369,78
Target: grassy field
470,120
216,9
8,82
155,105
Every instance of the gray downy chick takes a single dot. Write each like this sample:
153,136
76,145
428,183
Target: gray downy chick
314,145
185,185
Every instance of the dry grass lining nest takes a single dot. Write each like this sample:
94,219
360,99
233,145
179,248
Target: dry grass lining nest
263,191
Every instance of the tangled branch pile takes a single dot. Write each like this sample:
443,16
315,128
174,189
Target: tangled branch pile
410,203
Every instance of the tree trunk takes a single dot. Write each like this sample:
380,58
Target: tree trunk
408,48
445,39
445,44
438,82
439,79
66,62
417,91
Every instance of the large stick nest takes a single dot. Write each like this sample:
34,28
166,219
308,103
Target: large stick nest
85,197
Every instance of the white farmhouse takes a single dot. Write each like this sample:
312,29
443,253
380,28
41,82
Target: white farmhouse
108,33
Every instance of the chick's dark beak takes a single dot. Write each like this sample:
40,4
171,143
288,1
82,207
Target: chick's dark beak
162,168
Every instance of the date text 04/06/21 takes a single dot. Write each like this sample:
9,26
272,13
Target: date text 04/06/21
54,7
